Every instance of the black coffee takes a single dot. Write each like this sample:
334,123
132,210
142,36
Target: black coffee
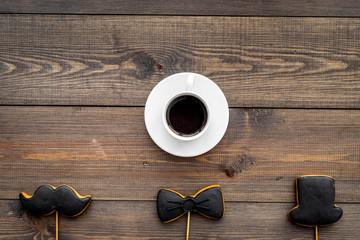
186,115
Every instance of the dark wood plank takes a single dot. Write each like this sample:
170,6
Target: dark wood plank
139,220
187,7
107,152
117,60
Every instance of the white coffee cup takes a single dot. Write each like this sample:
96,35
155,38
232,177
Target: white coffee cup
186,115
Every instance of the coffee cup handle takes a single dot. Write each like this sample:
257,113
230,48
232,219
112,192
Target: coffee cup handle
189,83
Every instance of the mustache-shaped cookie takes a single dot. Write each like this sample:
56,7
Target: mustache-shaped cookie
48,199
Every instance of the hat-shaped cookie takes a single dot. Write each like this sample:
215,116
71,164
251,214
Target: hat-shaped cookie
208,202
315,197
48,199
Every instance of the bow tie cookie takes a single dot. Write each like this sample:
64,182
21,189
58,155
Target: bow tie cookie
208,202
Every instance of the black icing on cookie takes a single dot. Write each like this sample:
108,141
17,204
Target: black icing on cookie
315,198
48,199
208,202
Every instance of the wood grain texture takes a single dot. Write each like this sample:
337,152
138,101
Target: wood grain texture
107,152
139,220
187,7
117,60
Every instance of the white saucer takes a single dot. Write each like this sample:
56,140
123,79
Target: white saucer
166,89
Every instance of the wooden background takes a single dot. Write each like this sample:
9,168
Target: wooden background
74,78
